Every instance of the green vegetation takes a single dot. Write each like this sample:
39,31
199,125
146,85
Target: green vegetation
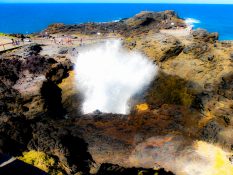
41,161
170,90
3,34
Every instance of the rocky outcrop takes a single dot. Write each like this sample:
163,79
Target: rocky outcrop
190,99
26,73
210,132
226,86
197,49
139,24
59,141
32,49
10,69
109,169
172,51
203,35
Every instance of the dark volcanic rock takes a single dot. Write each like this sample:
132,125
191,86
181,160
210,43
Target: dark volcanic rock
201,34
51,94
23,82
70,150
63,50
173,51
226,86
9,99
38,64
140,23
197,49
32,49
196,80
54,27
59,71
109,169
15,133
210,132
10,69
231,55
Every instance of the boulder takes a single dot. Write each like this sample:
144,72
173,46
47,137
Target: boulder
172,51
201,34
210,132
196,48
10,69
231,56
32,49
63,50
70,150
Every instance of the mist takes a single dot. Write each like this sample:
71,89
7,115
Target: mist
108,76
174,154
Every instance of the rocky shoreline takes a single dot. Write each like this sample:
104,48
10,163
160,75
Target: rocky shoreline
190,100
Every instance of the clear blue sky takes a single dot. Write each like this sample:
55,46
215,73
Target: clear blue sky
121,1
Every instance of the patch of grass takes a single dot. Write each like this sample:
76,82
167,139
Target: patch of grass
3,34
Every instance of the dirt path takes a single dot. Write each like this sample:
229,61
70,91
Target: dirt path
177,32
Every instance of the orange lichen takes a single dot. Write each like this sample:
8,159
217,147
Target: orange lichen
161,142
142,107
208,116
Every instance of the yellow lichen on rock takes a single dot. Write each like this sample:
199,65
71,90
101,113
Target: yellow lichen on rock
42,161
68,85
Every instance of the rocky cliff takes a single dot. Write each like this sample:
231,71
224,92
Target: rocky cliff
190,100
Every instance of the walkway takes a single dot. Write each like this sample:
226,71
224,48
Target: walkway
74,42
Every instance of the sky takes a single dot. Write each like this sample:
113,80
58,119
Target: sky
122,1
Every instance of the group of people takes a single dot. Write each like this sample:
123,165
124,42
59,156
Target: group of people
61,40
64,40
15,42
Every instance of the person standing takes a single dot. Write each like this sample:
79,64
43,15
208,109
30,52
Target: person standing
74,52
12,41
22,38
81,42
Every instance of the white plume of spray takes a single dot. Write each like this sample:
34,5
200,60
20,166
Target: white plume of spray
108,76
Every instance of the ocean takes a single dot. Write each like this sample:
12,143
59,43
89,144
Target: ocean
29,18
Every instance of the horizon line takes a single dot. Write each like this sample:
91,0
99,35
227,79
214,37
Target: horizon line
186,3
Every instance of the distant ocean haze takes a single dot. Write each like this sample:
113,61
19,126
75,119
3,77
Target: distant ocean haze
29,18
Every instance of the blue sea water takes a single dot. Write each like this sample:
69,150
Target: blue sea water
29,18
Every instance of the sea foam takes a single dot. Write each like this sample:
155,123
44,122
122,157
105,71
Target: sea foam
191,21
